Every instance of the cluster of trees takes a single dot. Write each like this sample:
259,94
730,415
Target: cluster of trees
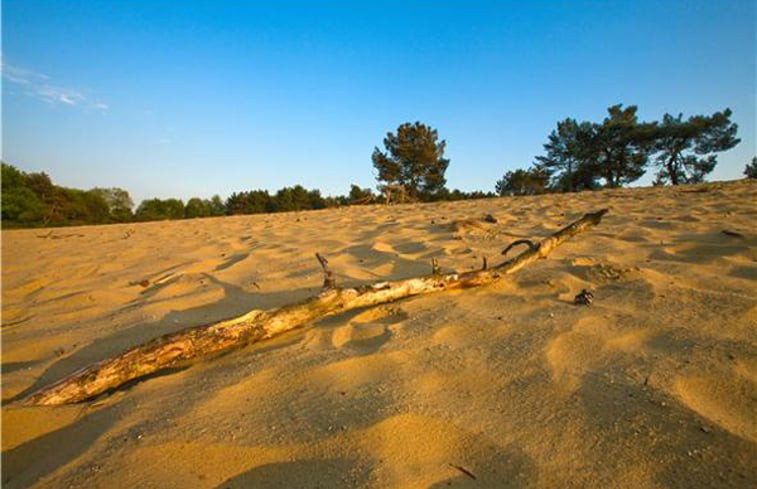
619,150
577,156
31,199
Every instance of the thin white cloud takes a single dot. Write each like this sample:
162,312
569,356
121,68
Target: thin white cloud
54,95
36,85
21,76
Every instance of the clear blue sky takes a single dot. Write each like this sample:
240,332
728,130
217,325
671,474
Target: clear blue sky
194,98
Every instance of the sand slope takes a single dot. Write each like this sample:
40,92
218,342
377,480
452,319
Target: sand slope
508,386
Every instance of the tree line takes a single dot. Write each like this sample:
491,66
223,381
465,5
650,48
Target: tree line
620,149
577,156
33,200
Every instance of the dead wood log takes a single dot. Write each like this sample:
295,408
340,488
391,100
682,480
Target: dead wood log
176,349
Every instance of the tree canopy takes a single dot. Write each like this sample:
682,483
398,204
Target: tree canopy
587,155
684,147
578,155
414,159
158,210
523,182
569,153
119,202
32,200
621,146
750,171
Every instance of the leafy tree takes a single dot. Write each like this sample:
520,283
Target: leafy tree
196,207
157,209
296,198
12,177
21,206
119,202
88,207
174,208
42,186
31,199
217,207
751,169
413,159
316,200
283,200
360,195
300,198
683,147
252,202
524,182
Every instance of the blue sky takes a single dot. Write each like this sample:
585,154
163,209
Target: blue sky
194,98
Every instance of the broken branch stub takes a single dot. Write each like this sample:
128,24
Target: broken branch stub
182,347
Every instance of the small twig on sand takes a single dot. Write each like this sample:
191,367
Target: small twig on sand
531,245
728,232
463,470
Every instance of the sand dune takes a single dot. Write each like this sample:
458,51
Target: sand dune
507,386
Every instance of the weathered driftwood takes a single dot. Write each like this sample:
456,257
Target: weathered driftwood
172,350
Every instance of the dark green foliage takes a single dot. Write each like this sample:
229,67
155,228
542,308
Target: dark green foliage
292,199
457,194
252,202
571,155
119,203
316,200
87,207
683,147
158,210
360,195
621,146
617,151
217,207
750,171
295,198
21,206
579,154
196,207
477,194
533,181
413,159
31,200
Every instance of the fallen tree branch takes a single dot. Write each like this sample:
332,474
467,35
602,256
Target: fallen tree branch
176,349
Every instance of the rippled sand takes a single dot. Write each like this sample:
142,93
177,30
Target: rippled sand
507,386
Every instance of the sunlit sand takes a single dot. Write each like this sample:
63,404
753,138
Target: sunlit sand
511,385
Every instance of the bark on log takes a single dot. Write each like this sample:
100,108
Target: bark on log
175,349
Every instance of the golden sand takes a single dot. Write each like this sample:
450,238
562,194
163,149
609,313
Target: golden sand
652,386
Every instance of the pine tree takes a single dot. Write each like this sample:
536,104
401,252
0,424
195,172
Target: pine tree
684,147
414,160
